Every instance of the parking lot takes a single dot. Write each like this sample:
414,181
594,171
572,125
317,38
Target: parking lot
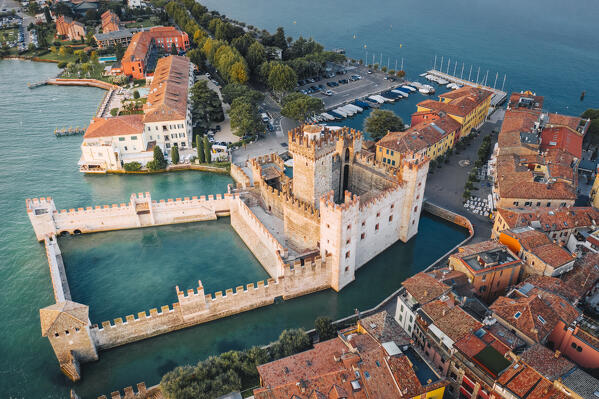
367,84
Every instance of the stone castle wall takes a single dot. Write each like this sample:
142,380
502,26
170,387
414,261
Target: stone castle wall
239,176
193,307
57,272
141,211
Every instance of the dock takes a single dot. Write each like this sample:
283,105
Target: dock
498,98
71,131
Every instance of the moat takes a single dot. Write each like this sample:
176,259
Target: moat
26,269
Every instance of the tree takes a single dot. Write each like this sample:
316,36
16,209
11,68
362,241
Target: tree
235,90
593,131
175,154
299,106
238,73
62,64
135,94
256,55
205,104
119,51
174,49
132,166
324,328
382,121
158,162
207,150
244,117
200,149
114,111
281,78
291,342
47,15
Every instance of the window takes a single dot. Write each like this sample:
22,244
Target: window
346,268
347,255
363,236
391,218
376,228
392,206
378,214
133,137
347,241
126,148
363,224
416,209
393,163
517,315
121,139
348,226
516,203
541,319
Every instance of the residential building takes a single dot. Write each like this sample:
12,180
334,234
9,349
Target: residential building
66,26
121,36
559,224
539,253
140,56
532,170
433,138
108,143
469,106
418,290
491,267
110,22
353,365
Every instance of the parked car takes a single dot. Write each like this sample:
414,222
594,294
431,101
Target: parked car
217,128
314,89
343,81
369,71
328,93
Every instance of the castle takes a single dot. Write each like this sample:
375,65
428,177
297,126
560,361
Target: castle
310,232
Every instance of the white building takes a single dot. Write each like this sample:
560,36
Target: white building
134,3
108,143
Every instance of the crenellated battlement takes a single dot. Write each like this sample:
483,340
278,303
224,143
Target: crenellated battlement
129,393
393,173
305,209
39,203
327,202
315,141
382,197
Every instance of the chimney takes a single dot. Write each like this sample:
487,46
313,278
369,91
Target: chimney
557,354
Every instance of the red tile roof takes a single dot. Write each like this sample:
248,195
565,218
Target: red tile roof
117,126
545,362
167,99
461,101
550,219
424,288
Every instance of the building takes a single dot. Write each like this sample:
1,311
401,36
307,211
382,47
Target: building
559,224
469,106
121,36
67,27
532,168
539,254
108,143
110,22
418,290
353,365
432,138
491,267
140,56
134,3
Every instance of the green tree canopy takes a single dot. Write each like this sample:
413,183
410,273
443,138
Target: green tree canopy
200,149
281,78
324,328
291,342
158,162
175,154
205,104
244,117
299,106
382,121
593,132
235,90
207,150
255,56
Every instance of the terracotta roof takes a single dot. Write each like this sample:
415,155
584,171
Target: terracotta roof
118,126
550,219
424,288
584,275
552,254
549,284
545,362
138,47
535,104
383,328
420,136
461,101
571,122
563,138
167,98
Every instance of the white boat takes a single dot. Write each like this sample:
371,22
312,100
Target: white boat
341,112
423,74
348,110
451,85
400,93
355,107
442,81
328,117
387,100
424,90
378,99
417,85
412,89
430,88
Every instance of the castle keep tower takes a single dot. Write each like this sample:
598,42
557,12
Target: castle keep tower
413,172
312,150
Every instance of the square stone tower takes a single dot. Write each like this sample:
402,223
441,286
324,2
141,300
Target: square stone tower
312,148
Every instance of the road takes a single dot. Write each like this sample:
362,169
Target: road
445,186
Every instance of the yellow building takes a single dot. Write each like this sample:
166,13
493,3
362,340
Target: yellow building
432,137
469,106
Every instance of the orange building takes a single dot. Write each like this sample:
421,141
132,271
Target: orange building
139,58
65,26
491,267
110,22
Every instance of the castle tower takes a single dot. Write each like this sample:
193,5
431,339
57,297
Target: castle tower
67,326
40,211
339,237
413,172
349,144
312,148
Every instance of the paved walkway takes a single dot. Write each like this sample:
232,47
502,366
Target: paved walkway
445,186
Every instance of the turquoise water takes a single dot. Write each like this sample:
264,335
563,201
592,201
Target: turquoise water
119,273
548,46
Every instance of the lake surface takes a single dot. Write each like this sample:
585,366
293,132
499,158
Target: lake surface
119,273
548,46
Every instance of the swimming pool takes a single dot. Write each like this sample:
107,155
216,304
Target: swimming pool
108,58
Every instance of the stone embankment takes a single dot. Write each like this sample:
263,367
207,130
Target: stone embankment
83,82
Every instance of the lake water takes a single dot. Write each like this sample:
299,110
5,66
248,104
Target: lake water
120,273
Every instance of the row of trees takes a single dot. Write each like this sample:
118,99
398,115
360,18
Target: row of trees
204,149
380,121
236,370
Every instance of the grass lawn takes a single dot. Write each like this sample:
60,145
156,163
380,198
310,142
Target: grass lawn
146,23
8,35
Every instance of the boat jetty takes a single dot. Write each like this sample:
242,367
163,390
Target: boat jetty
454,82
